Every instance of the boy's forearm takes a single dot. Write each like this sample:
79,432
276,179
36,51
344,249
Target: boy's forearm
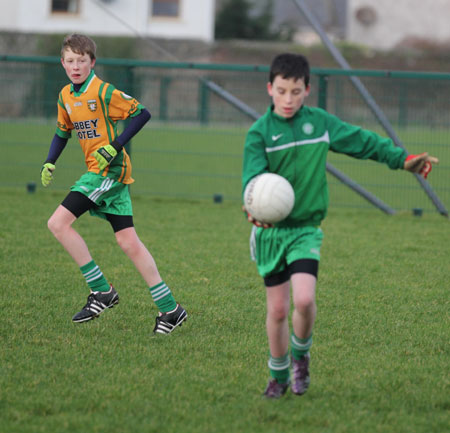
56,147
254,163
386,152
365,144
134,126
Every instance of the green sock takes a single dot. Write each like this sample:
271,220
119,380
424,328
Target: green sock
279,368
94,277
162,296
300,346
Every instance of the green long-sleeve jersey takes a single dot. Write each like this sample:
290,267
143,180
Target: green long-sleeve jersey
296,148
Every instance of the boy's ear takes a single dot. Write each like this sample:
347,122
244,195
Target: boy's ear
269,88
93,63
307,90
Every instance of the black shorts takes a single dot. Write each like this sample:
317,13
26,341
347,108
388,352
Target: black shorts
78,204
307,266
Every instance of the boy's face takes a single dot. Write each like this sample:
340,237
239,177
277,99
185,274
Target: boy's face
77,66
287,95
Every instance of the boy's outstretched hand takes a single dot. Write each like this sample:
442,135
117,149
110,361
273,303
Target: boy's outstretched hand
254,221
47,173
421,164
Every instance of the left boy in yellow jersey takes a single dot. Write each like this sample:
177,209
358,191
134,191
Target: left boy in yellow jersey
91,108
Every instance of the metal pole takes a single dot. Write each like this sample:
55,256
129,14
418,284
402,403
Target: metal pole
379,114
236,102
360,190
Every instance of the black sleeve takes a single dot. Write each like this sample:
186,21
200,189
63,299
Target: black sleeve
56,147
134,126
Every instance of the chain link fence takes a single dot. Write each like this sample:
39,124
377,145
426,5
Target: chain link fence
192,147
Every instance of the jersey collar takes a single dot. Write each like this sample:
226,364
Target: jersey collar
85,85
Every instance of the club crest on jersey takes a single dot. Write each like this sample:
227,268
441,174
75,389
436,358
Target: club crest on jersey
68,109
308,128
92,104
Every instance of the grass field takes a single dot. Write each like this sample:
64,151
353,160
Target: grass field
380,358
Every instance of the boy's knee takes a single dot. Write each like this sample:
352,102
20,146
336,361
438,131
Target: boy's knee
278,312
304,303
127,243
54,225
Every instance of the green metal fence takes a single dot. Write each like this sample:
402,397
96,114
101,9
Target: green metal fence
192,147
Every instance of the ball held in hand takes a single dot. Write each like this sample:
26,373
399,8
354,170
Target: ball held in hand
269,198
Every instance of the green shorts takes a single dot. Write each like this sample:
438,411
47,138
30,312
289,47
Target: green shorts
110,196
275,248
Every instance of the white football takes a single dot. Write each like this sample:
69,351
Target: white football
269,198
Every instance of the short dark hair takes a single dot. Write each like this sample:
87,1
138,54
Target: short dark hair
290,66
79,44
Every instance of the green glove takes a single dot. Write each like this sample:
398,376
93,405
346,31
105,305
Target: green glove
47,173
104,155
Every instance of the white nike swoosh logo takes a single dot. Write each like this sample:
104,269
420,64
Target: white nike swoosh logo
276,137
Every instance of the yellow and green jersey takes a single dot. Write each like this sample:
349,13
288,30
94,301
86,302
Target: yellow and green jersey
92,113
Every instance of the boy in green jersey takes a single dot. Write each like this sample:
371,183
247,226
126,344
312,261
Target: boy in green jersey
91,108
293,140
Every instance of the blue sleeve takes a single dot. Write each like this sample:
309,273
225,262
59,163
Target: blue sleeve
134,126
56,147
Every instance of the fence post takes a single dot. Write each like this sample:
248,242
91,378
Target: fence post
323,91
403,105
164,97
203,103
129,80
50,88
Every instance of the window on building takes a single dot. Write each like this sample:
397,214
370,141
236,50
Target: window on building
69,6
165,8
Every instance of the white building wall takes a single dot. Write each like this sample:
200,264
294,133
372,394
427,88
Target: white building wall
396,20
196,18
113,17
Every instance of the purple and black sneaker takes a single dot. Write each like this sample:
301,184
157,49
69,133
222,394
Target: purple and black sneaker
300,375
275,389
